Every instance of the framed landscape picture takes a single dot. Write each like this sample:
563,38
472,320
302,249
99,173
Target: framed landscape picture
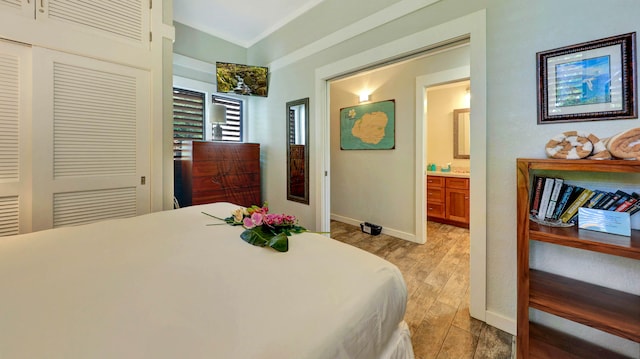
369,126
590,81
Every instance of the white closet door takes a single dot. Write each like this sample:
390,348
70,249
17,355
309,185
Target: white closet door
124,20
15,154
25,8
91,139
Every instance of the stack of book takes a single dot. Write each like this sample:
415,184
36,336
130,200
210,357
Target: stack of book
553,200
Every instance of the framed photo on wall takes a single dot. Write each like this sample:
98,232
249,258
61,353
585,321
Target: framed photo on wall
369,126
590,81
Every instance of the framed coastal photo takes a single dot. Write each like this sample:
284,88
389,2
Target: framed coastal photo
590,81
368,126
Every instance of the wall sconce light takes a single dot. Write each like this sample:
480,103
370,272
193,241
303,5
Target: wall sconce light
467,97
364,97
217,116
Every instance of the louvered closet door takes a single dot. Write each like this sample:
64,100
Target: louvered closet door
126,20
91,132
21,7
15,155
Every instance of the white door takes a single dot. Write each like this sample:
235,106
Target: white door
15,153
91,140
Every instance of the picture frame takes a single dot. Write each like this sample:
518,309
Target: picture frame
369,126
240,79
590,81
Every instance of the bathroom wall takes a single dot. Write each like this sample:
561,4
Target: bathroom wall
441,101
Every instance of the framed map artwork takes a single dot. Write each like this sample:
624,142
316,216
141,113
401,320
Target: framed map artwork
370,126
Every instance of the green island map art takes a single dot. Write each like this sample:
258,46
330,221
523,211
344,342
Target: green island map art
368,127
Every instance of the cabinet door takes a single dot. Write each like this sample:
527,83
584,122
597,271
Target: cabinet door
15,152
91,134
457,206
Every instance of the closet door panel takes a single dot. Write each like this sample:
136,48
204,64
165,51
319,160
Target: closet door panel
15,153
122,20
92,130
25,8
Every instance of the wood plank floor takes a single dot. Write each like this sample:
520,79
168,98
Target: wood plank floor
437,277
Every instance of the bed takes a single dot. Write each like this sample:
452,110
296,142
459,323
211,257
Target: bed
167,285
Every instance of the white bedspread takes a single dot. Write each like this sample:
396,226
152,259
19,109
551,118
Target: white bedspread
165,285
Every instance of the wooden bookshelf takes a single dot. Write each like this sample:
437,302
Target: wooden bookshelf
601,308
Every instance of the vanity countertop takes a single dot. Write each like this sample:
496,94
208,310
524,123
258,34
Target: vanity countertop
448,174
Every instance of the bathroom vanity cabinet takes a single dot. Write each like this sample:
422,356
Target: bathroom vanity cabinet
448,199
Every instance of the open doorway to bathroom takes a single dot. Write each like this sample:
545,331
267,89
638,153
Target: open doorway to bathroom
447,153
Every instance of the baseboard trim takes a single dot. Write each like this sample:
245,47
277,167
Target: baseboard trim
388,231
501,322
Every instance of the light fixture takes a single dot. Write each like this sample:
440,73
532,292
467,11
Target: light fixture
217,116
467,97
365,96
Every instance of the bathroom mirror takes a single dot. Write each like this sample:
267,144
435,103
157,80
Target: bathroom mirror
461,133
298,150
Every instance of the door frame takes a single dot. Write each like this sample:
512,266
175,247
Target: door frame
422,84
472,26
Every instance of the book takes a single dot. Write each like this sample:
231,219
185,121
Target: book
536,193
624,206
553,200
563,201
546,195
574,218
605,198
597,197
622,197
635,208
612,199
577,203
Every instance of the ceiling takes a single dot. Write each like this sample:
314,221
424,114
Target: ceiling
242,22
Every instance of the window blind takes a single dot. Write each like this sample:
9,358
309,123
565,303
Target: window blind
188,118
232,130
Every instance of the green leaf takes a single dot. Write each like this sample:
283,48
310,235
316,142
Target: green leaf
280,243
255,236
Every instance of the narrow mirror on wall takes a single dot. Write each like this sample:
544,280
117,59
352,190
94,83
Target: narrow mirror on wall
461,133
298,150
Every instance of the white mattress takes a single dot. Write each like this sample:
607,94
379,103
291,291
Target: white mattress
166,285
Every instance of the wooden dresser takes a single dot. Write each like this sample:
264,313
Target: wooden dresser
219,172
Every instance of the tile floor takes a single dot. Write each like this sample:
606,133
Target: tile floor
437,277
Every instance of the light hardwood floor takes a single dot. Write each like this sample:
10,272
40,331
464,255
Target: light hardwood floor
437,277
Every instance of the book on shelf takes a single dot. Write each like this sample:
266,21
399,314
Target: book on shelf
567,190
546,196
613,197
605,198
584,196
623,197
553,200
595,199
626,205
536,193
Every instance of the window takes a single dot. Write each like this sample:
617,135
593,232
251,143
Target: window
191,101
188,118
232,130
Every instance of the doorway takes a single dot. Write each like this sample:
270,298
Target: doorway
472,26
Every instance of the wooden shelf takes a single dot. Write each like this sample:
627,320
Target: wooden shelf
602,308
605,309
547,343
608,166
589,240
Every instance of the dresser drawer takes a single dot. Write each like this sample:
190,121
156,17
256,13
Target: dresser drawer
459,183
435,210
435,195
435,181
